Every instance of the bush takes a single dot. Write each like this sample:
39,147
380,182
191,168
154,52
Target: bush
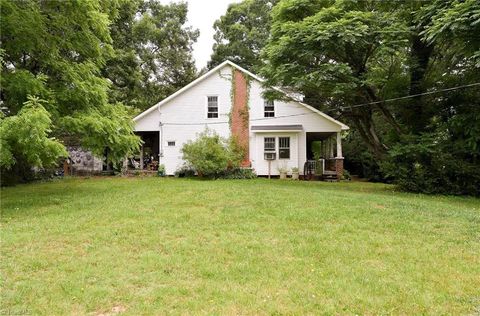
184,171
161,170
428,164
211,155
346,175
239,173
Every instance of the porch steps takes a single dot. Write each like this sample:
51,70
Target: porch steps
329,176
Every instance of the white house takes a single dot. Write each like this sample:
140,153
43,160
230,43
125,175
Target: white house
228,99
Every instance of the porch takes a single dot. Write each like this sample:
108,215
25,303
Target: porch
324,156
146,160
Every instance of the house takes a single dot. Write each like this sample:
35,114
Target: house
228,99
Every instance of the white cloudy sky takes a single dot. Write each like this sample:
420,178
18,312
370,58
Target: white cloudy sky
201,15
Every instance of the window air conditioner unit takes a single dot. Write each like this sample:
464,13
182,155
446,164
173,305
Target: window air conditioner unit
269,156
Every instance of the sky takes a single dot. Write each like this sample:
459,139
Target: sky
201,15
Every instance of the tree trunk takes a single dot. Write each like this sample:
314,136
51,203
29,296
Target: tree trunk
416,115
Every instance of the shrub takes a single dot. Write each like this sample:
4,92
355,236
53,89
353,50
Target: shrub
211,155
239,173
428,164
346,175
161,170
184,171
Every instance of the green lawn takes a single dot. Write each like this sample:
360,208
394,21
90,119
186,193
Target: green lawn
156,246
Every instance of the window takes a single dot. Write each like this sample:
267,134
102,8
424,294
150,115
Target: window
269,108
269,144
269,148
171,143
284,147
212,104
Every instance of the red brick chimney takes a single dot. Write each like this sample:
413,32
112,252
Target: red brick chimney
240,115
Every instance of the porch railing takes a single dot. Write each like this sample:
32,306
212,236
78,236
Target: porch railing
320,168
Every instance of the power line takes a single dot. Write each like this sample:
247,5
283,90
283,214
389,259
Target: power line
351,106
415,95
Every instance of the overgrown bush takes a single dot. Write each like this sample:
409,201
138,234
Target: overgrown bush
429,164
211,155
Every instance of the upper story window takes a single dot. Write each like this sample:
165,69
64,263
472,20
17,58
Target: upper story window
284,147
269,108
212,106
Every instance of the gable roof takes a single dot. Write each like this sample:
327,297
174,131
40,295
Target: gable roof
261,80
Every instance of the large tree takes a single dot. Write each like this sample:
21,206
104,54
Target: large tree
349,57
52,55
242,33
152,52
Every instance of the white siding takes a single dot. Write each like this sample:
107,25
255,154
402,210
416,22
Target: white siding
185,116
261,165
311,122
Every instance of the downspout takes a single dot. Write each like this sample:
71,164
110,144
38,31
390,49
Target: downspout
160,145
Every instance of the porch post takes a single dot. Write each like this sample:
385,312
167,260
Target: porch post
330,145
141,157
339,145
339,158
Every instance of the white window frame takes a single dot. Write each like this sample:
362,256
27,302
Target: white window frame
274,150
272,112
206,106
289,147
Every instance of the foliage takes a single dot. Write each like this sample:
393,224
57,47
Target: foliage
184,171
109,128
211,155
55,51
229,245
161,170
456,23
239,173
346,175
349,57
152,52
446,159
26,136
339,53
241,33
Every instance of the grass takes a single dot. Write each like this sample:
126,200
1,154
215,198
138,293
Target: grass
179,246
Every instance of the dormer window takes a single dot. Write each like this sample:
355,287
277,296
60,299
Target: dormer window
212,106
269,108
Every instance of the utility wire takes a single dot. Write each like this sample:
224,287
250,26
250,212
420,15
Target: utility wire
415,95
346,107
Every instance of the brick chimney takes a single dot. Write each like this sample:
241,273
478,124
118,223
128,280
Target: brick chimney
240,116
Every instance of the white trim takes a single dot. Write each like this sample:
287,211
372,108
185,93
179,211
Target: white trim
261,80
293,131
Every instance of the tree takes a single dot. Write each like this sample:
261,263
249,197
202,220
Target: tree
340,53
349,57
242,33
52,56
152,52
25,139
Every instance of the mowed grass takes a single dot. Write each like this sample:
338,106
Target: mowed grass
185,246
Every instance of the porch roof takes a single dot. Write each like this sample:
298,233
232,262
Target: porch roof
277,128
